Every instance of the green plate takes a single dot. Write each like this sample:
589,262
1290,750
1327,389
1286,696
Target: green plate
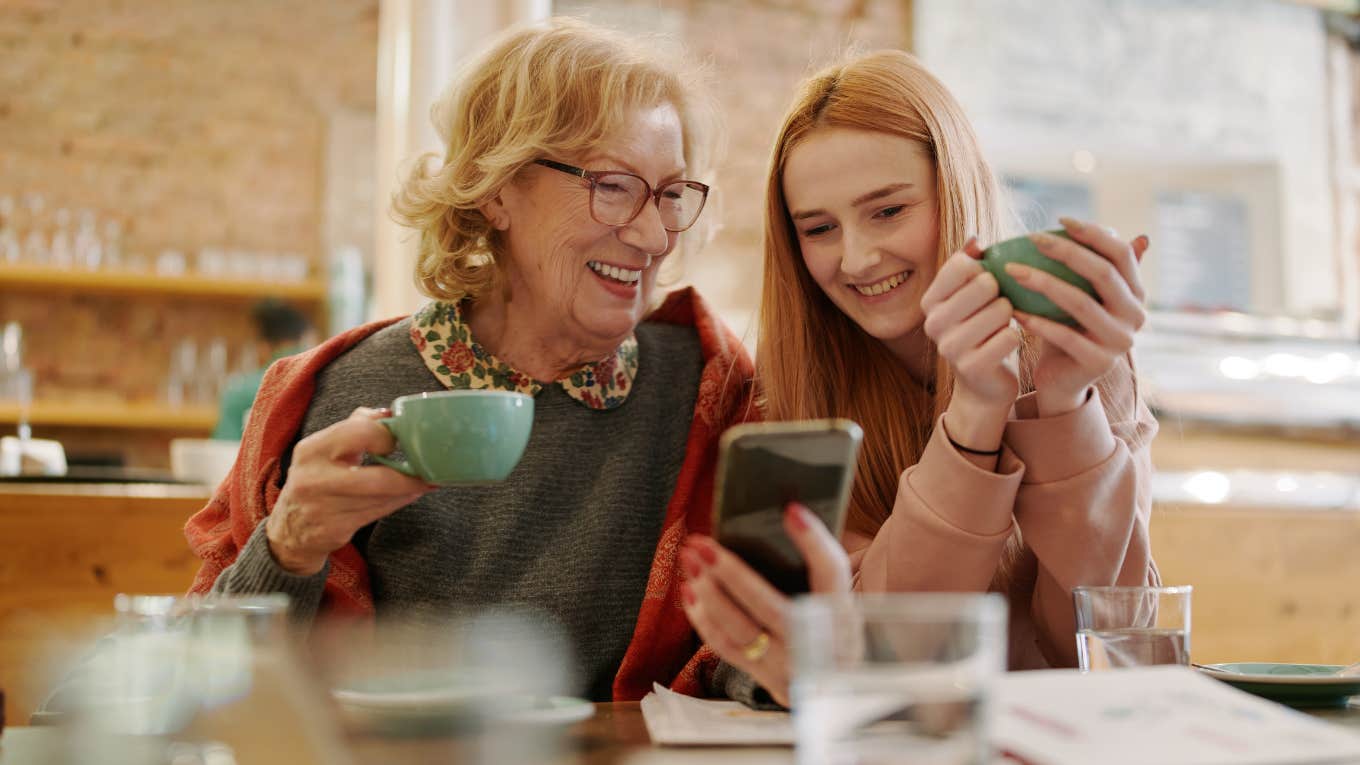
1298,685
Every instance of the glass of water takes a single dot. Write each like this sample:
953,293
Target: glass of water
895,678
1132,626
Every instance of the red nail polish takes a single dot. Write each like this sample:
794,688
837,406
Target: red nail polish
796,518
686,593
689,564
705,549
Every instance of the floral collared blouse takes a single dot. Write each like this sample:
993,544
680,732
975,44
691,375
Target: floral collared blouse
445,344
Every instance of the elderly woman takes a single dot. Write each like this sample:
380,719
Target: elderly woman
567,181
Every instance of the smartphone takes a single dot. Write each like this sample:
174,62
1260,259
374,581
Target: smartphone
764,466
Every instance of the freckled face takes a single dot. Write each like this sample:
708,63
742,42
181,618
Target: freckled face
864,207
590,281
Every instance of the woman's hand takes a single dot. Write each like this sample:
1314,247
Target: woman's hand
329,495
740,615
1071,359
970,324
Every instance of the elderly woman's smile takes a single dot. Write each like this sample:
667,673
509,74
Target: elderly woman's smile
621,275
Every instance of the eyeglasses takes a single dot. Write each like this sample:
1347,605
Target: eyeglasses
617,198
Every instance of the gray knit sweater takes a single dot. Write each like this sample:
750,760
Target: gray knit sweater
572,531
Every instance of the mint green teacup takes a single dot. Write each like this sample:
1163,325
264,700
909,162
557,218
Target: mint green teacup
460,436
1022,250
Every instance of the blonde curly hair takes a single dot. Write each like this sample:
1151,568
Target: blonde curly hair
548,90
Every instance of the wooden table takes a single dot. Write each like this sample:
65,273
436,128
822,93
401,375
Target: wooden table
615,734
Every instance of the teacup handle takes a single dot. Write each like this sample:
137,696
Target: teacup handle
401,466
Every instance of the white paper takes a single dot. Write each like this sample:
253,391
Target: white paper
1165,715
676,719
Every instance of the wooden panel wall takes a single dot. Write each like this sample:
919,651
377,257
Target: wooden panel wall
62,560
1270,585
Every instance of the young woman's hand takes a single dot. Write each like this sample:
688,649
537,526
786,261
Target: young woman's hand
1070,360
740,615
970,324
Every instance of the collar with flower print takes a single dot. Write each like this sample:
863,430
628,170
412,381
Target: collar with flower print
444,342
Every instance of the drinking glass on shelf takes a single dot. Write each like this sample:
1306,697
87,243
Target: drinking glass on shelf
89,248
61,252
239,264
34,248
211,262
895,677
16,381
1132,626
170,263
113,244
9,231
214,371
180,384
294,267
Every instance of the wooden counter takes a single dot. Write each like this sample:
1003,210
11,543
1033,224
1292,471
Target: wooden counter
65,551
1270,584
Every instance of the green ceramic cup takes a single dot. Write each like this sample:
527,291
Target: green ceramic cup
460,436
1022,250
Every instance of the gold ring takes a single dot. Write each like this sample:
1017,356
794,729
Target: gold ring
756,650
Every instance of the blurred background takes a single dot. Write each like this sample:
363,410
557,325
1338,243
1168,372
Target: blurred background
167,164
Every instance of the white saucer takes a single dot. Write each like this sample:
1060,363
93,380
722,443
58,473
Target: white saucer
439,699
555,710
432,695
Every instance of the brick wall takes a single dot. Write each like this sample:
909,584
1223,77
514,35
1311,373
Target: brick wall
197,122
193,123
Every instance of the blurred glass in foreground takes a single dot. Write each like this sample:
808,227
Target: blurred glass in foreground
895,678
189,680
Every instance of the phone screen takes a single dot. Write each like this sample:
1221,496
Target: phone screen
763,467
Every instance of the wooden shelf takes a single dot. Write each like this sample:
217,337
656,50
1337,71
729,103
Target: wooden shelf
47,279
114,416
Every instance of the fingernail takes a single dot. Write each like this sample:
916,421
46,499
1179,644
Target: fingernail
704,547
689,564
796,518
686,593
1071,223
1043,241
384,412
1019,271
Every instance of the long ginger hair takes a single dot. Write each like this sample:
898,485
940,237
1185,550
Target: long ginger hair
813,360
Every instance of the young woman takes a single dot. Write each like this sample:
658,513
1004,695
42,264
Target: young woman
1002,451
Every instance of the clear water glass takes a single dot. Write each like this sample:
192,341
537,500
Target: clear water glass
139,679
1132,626
895,678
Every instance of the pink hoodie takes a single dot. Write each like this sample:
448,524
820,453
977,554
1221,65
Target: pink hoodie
1078,488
